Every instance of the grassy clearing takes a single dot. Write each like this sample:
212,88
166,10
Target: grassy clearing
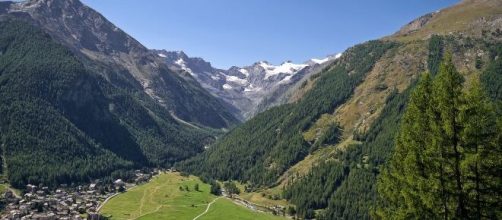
226,209
162,198
320,126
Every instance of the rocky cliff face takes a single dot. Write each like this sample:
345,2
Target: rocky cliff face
251,89
416,24
121,59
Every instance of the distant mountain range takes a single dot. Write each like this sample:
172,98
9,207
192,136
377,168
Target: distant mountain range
251,89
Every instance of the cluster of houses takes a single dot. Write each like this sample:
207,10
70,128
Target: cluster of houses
63,203
79,202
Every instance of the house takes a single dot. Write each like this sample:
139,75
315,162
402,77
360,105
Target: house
119,183
92,186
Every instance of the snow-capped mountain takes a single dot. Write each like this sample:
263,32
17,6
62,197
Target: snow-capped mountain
244,87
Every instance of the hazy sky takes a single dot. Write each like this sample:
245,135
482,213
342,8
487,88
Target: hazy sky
241,32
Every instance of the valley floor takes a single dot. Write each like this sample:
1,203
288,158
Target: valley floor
172,196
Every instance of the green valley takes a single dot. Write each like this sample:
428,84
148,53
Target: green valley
172,196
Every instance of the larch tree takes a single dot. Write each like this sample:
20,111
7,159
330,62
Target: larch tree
446,103
446,163
404,182
481,160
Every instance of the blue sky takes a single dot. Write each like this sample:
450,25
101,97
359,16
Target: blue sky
241,32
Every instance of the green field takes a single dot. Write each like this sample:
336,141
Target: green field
226,209
162,198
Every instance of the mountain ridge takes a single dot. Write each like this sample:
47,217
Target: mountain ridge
247,88
123,59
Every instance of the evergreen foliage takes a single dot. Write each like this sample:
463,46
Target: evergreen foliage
62,123
350,194
436,48
446,163
215,188
330,137
491,78
231,188
356,196
314,190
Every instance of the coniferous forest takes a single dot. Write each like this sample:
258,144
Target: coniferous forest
52,103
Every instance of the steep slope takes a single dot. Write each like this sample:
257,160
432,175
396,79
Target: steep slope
337,181
263,148
62,122
250,89
376,126
122,60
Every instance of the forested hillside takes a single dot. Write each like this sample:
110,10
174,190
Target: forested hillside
263,148
345,187
62,123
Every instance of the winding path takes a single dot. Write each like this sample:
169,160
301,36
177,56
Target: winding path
207,209
106,200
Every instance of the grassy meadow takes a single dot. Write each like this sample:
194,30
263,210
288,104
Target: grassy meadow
166,197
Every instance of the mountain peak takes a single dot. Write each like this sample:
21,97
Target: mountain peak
53,4
483,16
261,62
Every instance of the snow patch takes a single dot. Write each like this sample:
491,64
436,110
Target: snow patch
236,80
227,87
162,55
285,80
287,68
244,71
320,61
251,88
180,62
